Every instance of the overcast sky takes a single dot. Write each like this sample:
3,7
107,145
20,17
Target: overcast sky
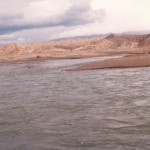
39,20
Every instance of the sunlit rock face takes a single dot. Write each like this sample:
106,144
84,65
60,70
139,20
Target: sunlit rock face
74,47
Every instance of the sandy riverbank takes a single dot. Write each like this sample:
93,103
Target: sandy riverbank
43,58
132,61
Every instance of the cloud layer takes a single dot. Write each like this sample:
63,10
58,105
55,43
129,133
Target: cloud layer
77,14
35,20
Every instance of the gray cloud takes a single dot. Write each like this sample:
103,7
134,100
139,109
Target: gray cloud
9,17
76,14
79,14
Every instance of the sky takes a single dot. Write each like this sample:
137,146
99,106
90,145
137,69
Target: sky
44,20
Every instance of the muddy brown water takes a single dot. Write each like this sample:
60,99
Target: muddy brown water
43,107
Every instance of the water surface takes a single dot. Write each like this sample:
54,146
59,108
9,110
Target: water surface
43,107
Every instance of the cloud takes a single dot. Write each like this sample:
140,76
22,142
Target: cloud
5,18
40,20
79,13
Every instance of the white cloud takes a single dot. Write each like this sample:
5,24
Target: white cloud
125,15
31,20
73,15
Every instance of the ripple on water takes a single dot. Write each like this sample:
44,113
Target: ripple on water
43,107
142,102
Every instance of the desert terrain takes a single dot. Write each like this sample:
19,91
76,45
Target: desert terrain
135,50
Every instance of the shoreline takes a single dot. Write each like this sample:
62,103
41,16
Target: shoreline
45,58
123,61
135,61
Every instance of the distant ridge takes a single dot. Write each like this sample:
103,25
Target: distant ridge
82,37
79,46
102,35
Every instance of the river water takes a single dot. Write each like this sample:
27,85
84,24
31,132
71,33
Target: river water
43,107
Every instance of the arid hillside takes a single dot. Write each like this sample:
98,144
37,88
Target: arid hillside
110,45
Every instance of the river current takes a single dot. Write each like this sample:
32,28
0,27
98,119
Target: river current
44,107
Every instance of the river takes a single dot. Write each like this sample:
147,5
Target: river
44,107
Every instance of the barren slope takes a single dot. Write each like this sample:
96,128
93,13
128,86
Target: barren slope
111,45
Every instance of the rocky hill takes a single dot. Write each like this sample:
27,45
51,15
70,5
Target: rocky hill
80,47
